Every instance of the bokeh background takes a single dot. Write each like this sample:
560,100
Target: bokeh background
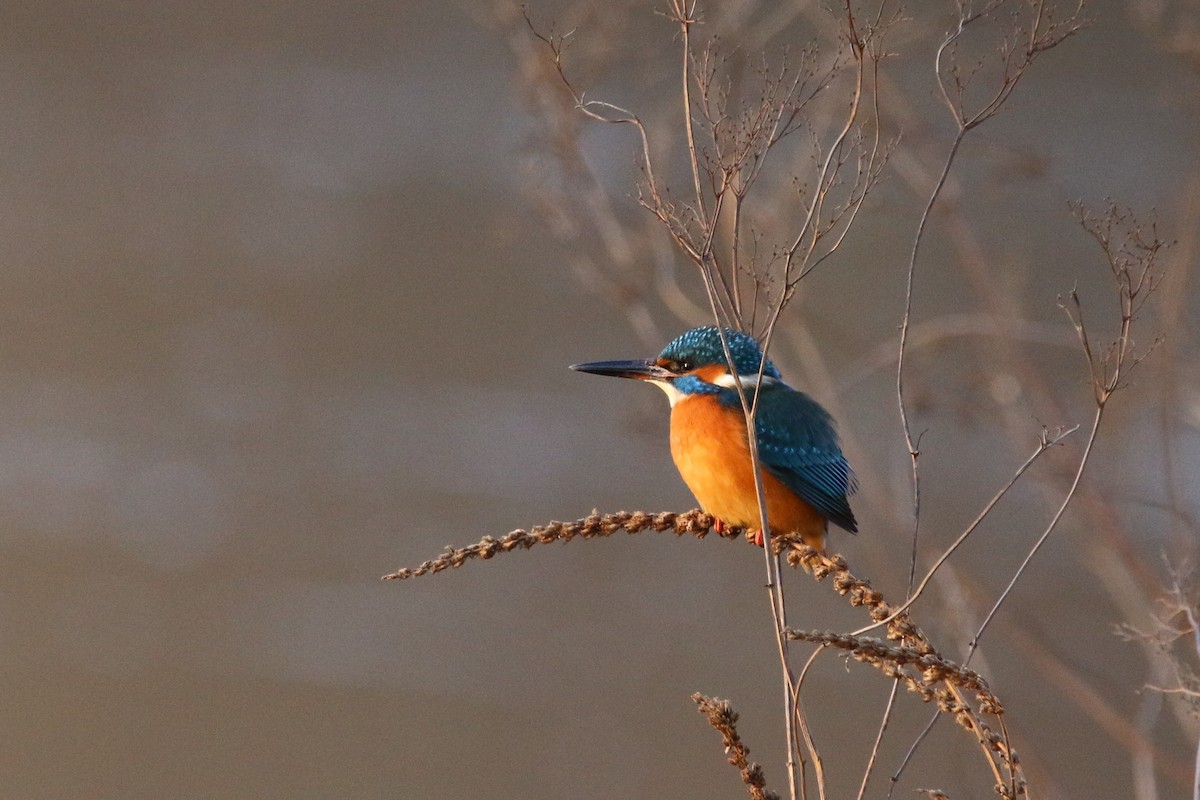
288,303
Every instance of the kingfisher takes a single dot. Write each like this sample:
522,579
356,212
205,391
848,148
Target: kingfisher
805,476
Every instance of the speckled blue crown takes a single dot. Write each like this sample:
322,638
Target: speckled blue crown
703,346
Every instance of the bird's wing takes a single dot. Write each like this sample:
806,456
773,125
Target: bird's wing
797,444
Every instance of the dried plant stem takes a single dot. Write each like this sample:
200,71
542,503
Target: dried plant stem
722,165
749,403
721,716
791,687
891,659
695,522
907,646
1099,708
810,230
1131,256
684,14
797,713
724,155
912,647
887,715
791,690
1046,441
774,584
1016,60
1041,540
974,643
905,323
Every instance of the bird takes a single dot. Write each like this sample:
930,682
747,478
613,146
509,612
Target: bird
806,479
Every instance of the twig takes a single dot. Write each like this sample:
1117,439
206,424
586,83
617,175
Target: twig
1132,257
1041,540
1015,62
1045,442
883,724
913,646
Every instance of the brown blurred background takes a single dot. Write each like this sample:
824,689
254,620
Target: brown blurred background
283,312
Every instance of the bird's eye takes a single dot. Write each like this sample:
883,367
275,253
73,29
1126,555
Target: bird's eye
679,367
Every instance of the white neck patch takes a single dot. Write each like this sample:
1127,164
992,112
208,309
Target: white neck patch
727,381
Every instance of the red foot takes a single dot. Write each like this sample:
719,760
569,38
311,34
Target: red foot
720,527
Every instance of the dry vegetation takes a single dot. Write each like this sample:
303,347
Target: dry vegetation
756,174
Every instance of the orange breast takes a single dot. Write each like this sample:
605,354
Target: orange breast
708,443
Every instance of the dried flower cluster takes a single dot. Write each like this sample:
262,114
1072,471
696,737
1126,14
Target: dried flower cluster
722,717
695,522
940,679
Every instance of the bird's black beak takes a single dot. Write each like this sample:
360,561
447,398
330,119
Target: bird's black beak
644,369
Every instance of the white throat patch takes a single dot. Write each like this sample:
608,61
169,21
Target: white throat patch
673,394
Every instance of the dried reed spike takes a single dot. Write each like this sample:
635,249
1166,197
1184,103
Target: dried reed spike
901,629
894,658
722,717
918,651
695,522
913,649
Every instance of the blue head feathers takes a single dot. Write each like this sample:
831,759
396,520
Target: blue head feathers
702,346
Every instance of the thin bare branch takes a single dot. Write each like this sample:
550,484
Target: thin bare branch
1047,440
1131,250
